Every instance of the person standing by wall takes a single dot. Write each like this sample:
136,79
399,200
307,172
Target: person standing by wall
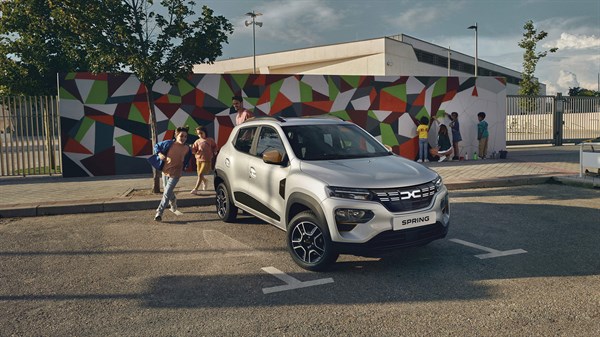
174,156
456,136
423,132
482,135
205,149
242,114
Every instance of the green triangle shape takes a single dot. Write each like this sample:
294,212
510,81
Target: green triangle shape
333,89
306,92
388,136
225,92
127,142
192,124
174,98
64,94
440,87
352,80
422,113
251,100
274,90
440,113
340,114
84,127
135,114
98,93
240,79
184,87
398,91
70,76
372,115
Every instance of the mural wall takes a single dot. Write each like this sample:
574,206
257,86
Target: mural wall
105,117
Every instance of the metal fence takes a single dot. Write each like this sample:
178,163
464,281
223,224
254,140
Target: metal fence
29,136
551,119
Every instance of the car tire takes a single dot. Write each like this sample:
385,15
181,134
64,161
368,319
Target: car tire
309,242
226,210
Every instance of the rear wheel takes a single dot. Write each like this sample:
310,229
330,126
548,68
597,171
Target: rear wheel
309,242
225,208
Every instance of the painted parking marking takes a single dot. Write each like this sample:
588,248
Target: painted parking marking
292,283
491,252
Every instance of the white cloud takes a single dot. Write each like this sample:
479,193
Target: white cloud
297,21
567,79
571,41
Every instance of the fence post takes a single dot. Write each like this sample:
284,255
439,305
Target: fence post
558,119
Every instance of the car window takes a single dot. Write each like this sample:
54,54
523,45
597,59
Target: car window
332,141
243,140
268,139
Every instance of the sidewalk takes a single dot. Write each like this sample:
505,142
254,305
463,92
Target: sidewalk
51,195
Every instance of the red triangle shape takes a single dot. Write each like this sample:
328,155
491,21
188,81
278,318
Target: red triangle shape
141,145
281,102
74,146
475,92
391,103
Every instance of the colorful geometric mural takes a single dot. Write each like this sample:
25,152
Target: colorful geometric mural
105,117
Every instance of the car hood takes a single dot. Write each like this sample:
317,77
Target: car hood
377,172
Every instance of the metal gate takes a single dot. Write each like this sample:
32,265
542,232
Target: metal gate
551,119
29,136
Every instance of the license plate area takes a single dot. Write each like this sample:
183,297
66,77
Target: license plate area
410,221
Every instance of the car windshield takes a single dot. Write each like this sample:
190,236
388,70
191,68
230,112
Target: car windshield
332,141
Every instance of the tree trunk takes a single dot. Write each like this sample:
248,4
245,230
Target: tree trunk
154,136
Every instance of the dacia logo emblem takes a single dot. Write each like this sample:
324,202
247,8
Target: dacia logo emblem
414,194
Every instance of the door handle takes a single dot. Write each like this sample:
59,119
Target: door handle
252,172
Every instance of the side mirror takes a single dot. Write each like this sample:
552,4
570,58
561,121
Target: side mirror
272,157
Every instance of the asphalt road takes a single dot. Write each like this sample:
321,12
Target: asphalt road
517,262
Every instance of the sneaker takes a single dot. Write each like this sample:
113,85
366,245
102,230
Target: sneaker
157,217
427,160
442,158
419,161
455,158
174,206
194,191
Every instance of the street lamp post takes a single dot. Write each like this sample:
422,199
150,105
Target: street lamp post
475,27
254,23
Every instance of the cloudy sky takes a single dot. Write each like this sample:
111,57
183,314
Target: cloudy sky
572,25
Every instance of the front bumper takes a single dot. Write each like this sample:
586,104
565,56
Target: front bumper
379,233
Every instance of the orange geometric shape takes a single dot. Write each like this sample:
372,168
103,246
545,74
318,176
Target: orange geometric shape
390,102
475,92
281,102
74,146
141,145
410,148
104,119
323,106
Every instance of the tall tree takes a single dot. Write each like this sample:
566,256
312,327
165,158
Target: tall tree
153,41
34,48
529,85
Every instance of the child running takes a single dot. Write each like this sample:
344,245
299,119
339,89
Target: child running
204,149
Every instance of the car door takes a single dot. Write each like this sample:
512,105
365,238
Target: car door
266,184
237,160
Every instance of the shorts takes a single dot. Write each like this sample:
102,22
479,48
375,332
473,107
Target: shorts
203,167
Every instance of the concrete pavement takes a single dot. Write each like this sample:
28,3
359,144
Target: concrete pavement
51,195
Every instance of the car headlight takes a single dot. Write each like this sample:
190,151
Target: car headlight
349,193
438,183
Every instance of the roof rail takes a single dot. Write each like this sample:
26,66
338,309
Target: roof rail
279,118
325,116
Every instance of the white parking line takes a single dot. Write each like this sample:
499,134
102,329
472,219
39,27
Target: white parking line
492,252
292,283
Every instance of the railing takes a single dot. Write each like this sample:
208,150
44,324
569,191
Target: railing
29,136
551,119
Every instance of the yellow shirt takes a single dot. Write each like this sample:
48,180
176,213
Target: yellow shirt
423,131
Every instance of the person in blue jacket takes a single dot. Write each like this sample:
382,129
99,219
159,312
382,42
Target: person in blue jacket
171,157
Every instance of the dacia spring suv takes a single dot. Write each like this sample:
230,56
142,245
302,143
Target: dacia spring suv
333,187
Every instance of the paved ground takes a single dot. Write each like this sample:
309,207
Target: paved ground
34,196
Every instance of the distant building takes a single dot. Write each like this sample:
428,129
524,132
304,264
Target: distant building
391,55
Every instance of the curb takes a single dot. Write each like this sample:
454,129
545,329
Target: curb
113,205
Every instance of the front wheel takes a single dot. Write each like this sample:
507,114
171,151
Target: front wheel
309,242
226,210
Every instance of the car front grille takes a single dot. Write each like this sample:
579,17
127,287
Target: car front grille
403,199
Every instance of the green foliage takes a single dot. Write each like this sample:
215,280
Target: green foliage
529,85
34,48
577,91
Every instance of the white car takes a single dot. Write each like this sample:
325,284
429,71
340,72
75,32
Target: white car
331,186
